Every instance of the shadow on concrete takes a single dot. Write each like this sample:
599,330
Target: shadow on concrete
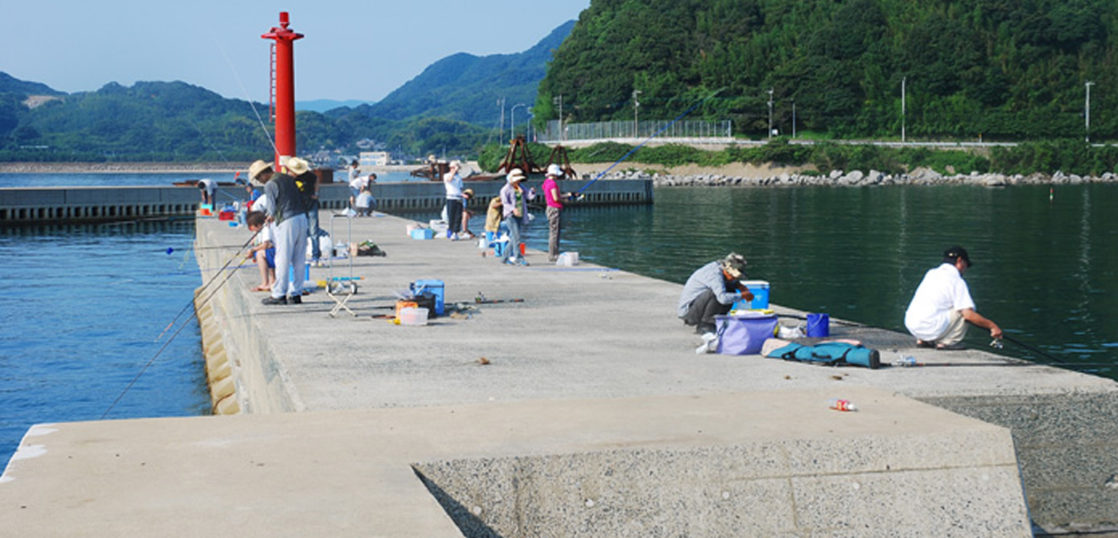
470,525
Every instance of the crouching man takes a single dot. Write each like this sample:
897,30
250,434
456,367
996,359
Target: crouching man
942,305
711,291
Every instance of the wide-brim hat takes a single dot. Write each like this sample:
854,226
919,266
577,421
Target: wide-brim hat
297,166
257,168
515,175
734,264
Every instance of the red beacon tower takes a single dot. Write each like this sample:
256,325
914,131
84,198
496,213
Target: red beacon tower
283,88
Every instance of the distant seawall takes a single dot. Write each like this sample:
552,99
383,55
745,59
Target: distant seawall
70,205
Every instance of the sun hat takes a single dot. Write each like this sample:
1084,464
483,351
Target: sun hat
297,166
257,168
469,193
515,174
554,170
734,264
956,252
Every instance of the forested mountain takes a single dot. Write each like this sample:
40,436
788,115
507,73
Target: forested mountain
450,107
1009,69
466,87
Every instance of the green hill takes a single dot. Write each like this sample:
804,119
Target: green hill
1008,69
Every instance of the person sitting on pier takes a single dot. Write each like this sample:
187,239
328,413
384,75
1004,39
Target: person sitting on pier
942,305
365,201
264,251
711,291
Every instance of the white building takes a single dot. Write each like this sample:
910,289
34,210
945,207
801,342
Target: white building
373,158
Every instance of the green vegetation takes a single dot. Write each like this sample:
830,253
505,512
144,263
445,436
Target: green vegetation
1068,156
996,69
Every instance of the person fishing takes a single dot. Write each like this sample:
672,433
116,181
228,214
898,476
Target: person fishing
942,305
711,291
288,209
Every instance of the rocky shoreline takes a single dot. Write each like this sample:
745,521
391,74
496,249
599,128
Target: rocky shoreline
858,178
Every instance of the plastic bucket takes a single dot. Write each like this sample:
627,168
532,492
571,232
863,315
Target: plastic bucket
818,325
760,291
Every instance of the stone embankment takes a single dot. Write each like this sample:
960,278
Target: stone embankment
857,178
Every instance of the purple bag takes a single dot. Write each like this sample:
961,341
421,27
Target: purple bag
743,335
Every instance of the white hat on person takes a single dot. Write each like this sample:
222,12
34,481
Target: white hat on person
554,170
297,166
257,168
515,174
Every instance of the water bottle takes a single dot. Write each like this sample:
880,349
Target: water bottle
905,361
841,405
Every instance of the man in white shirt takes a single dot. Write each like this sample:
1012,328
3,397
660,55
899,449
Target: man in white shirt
942,305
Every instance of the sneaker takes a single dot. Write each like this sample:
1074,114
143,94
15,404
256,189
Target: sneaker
709,345
274,300
295,299
523,262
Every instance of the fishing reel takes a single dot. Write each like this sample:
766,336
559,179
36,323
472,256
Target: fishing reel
997,343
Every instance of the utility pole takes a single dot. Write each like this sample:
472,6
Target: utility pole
512,121
793,118
1088,109
903,80
560,102
636,106
501,127
770,113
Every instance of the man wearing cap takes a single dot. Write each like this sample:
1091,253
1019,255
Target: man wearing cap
711,291
554,201
287,207
942,305
514,200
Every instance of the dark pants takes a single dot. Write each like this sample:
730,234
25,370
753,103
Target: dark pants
313,231
702,312
454,215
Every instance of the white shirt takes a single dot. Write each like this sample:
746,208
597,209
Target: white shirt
942,291
359,182
453,183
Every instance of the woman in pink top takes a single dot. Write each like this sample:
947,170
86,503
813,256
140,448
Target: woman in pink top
554,207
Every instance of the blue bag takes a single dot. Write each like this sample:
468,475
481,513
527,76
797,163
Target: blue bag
829,353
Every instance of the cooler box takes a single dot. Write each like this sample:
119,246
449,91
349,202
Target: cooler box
435,288
422,233
760,290
744,335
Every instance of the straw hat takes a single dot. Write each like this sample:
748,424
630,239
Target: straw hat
257,168
515,175
297,166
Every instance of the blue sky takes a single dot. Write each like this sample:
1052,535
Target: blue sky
352,50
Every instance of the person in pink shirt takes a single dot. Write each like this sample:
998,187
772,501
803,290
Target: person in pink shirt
554,201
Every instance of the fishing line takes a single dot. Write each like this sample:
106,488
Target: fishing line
151,361
210,281
654,135
244,90
1034,349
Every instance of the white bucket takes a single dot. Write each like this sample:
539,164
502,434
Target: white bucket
567,259
413,316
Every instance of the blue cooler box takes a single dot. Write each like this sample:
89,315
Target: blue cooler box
434,287
760,290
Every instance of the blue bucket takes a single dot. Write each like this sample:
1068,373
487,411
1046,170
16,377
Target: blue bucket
818,325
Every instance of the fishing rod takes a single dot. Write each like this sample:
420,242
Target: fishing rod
654,135
1031,348
207,284
162,348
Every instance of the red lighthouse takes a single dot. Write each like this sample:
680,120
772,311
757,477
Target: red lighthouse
283,87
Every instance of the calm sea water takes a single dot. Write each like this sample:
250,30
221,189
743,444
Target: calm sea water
82,305
112,180
79,313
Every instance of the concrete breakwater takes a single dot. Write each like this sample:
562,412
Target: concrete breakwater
590,415
858,178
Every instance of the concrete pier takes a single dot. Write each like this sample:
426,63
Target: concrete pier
571,402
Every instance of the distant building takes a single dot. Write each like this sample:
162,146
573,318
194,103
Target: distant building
374,158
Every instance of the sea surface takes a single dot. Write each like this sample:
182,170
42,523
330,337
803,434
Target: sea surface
114,180
82,305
